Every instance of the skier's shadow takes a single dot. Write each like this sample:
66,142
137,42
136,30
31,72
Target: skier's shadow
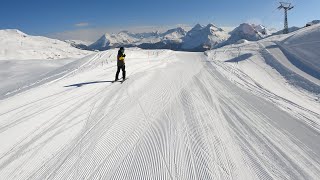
240,58
87,83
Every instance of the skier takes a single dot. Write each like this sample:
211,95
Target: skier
121,64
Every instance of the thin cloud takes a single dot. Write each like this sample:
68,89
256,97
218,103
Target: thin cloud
93,34
82,24
255,21
80,34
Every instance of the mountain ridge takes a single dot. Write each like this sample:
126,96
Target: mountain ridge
178,37
198,38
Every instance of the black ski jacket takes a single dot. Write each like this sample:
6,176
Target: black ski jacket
120,59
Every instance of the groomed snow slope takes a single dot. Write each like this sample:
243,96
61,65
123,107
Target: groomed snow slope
16,45
178,116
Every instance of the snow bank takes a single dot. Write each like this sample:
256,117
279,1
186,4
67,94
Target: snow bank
302,48
313,22
23,73
283,66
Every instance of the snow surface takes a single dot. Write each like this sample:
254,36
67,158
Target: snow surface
16,74
237,112
291,29
16,45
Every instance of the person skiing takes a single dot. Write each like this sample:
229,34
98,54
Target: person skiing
121,64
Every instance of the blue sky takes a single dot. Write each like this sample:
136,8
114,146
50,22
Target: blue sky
43,17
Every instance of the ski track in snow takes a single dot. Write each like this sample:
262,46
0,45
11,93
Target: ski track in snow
176,117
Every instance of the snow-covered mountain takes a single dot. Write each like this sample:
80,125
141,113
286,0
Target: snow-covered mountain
174,35
171,39
18,45
202,38
129,39
124,38
198,38
246,32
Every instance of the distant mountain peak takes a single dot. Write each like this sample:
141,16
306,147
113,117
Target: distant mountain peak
213,28
246,31
106,35
197,27
212,25
178,30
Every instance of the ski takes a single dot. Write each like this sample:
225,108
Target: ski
124,80
121,81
